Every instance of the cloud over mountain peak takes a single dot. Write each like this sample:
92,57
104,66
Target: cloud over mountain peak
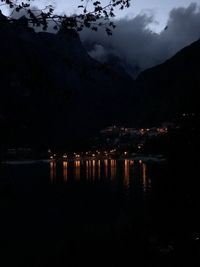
137,47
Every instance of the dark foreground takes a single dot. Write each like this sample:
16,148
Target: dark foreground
114,213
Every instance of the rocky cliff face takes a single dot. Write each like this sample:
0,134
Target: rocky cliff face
51,89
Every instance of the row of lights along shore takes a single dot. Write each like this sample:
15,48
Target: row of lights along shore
89,154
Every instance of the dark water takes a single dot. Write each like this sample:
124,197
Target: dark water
98,213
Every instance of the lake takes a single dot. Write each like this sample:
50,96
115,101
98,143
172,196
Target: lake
96,212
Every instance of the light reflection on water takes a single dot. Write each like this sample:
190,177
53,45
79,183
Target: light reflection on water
77,170
106,167
93,170
65,165
126,172
112,169
52,170
146,179
97,170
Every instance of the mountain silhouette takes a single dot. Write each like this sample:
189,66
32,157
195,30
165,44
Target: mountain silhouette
52,93
171,88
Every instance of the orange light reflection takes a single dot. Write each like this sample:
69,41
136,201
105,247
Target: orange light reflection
146,180
65,165
126,172
106,168
77,169
52,170
113,169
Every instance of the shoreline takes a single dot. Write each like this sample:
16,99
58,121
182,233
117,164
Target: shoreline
158,158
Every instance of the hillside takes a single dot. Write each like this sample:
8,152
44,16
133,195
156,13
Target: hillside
172,87
52,91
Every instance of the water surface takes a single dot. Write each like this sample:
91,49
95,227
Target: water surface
96,212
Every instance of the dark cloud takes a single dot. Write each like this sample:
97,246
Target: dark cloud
135,47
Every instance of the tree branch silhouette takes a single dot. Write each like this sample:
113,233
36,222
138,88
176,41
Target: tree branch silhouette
92,14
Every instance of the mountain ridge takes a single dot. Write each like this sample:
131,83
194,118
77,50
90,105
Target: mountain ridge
172,87
48,81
